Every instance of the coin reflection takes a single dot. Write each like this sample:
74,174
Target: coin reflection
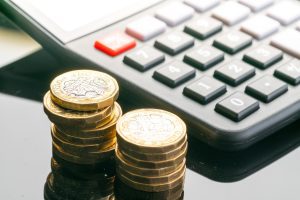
68,181
125,192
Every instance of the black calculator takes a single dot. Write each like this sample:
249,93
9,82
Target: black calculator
230,69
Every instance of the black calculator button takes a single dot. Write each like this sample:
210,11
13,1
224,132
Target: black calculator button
205,90
237,106
234,73
233,42
289,72
204,27
144,58
263,56
266,88
174,43
204,57
174,74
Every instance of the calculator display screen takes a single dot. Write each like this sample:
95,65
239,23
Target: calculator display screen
69,19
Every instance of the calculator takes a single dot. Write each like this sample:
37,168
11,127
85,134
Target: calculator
230,69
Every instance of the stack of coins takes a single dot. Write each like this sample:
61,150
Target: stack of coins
151,150
81,106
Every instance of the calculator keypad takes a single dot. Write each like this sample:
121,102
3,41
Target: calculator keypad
174,43
175,13
233,42
213,83
145,28
230,13
203,5
260,27
204,57
205,89
234,73
263,56
289,72
237,106
144,58
266,89
174,73
285,12
203,27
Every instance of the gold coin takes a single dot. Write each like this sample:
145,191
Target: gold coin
59,115
152,187
154,179
71,147
84,90
85,160
153,165
154,156
120,160
84,141
99,131
151,130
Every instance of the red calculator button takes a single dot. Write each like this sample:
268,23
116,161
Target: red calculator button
115,43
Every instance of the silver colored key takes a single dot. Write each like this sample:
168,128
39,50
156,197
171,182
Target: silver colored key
286,12
202,5
230,13
288,41
256,5
145,28
260,27
175,13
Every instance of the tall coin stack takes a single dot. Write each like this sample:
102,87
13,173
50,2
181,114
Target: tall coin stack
151,150
81,106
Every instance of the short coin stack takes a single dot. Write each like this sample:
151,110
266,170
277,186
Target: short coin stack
81,106
151,150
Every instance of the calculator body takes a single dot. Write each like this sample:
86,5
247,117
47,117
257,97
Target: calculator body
203,120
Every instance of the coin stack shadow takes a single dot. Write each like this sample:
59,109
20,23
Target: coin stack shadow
150,152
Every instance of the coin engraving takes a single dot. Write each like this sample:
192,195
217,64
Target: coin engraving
85,87
84,90
151,127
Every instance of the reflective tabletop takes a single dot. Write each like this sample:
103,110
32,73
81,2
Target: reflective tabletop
267,170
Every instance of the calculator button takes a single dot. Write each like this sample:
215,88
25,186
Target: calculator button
289,72
263,56
145,28
260,27
115,43
144,58
266,89
174,74
237,106
230,13
288,41
233,42
203,27
203,5
204,57
257,5
286,12
175,13
205,90
174,43
234,73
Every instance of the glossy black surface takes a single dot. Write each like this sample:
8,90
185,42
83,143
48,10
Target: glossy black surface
268,170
